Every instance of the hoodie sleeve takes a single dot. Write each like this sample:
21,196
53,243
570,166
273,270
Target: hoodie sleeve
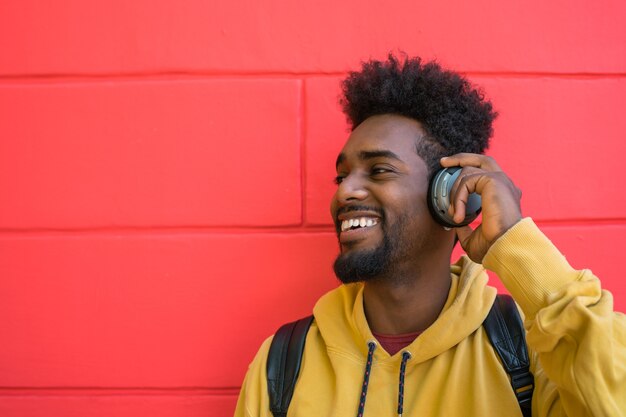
253,400
578,341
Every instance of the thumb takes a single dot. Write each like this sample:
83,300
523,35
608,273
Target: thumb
464,234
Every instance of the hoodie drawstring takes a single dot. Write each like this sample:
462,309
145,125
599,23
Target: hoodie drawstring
366,378
405,357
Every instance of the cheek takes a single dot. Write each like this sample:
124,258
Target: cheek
416,213
333,205
411,203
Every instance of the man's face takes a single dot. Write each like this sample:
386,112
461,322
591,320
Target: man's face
379,209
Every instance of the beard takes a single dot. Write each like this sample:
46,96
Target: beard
368,265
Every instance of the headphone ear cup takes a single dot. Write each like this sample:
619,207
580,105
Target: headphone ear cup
439,198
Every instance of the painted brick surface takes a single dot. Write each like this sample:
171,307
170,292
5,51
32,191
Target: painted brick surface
151,311
326,132
558,139
152,153
72,404
166,169
323,36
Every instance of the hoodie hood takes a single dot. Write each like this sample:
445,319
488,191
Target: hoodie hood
341,320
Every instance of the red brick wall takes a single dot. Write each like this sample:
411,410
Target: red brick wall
165,171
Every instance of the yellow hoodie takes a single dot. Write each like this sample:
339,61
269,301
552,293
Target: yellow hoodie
577,344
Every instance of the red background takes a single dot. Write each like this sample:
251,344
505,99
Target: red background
166,167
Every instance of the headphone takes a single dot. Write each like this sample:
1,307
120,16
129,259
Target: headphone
439,198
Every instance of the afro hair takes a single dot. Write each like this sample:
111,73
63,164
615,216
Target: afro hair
454,114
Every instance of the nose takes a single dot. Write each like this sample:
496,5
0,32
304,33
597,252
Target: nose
351,188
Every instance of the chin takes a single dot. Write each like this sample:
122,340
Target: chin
357,265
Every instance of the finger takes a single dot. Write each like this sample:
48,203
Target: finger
460,202
470,160
464,234
466,185
464,173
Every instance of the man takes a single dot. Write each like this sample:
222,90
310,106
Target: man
405,331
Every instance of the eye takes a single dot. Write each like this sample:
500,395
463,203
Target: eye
338,179
378,171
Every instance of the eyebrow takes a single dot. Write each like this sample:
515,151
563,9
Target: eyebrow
365,155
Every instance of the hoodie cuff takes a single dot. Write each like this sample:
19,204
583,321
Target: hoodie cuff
529,266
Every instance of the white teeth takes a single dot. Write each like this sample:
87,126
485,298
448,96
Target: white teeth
362,222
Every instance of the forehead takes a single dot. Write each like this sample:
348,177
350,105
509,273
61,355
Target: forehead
389,132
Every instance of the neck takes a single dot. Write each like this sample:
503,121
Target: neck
409,301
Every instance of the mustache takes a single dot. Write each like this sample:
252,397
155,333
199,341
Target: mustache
348,209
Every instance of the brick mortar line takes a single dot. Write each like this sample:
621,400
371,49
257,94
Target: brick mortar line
117,392
183,76
302,120
173,76
256,231
174,230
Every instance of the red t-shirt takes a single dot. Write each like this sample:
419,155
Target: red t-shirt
394,343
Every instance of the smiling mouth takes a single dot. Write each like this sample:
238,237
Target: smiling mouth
358,223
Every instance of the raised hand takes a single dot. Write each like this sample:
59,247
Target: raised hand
500,201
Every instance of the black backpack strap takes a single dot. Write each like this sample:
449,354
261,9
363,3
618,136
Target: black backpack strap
506,332
283,363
